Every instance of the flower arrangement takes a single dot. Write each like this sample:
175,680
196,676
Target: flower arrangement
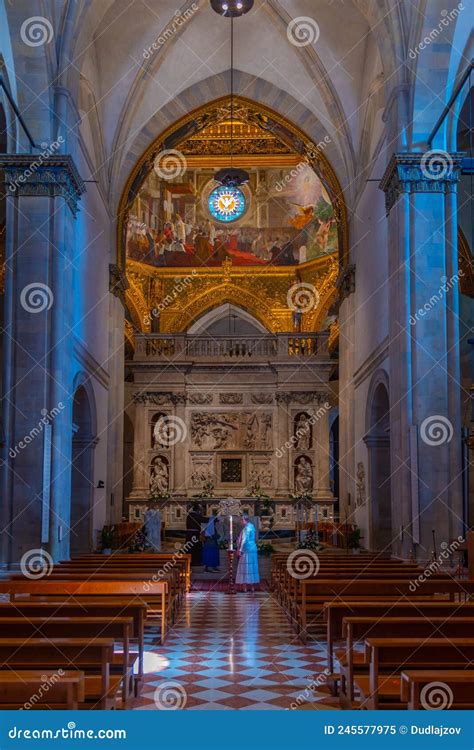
207,490
311,541
265,549
138,542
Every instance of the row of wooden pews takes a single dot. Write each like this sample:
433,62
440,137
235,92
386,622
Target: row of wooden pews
393,634
75,638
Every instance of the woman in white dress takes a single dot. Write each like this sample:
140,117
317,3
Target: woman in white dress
247,570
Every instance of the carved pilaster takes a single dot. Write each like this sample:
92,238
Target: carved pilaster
42,175
432,172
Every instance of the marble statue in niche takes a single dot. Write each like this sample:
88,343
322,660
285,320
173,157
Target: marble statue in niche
303,432
360,485
303,476
160,437
159,477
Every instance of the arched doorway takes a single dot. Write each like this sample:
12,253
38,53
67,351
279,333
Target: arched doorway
377,440
82,482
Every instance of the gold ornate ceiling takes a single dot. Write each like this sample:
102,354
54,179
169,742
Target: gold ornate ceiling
182,295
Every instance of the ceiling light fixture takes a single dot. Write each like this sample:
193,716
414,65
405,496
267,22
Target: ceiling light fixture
232,176
232,8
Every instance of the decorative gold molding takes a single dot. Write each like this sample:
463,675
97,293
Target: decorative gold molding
179,296
333,341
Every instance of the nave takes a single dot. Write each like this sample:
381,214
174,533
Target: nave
233,652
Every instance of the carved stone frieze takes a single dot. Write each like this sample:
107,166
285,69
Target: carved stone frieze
200,398
261,398
230,398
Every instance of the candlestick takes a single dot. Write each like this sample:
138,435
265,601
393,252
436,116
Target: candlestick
231,533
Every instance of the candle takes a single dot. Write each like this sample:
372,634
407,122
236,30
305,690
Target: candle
231,534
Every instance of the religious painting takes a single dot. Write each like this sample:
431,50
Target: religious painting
281,217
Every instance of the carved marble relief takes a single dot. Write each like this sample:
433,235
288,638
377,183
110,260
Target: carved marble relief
231,430
260,472
202,470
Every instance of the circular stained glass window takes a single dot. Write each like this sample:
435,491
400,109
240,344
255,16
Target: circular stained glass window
226,203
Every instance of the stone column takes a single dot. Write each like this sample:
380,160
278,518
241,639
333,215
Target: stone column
347,489
321,452
180,452
424,349
141,449
43,194
282,456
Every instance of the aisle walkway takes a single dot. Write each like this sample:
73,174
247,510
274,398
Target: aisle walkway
233,652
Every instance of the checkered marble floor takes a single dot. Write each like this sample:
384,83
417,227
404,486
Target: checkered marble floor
233,652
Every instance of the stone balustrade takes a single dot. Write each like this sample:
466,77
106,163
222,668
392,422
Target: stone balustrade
161,347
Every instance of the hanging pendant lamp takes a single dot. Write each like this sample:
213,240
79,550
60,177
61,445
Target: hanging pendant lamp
231,176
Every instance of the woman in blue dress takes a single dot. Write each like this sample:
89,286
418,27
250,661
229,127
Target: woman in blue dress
210,552
247,570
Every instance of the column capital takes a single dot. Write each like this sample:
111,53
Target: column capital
434,171
118,282
346,280
43,174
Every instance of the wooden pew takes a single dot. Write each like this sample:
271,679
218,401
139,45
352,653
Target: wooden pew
388,657
361,628
91,657
459,681
157,592
40,689
120,629
336,611
138,559
315,592
110,609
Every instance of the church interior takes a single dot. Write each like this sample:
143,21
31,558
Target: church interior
237,355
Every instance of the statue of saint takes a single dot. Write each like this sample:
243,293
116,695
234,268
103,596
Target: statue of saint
303,433
159,478
304,476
